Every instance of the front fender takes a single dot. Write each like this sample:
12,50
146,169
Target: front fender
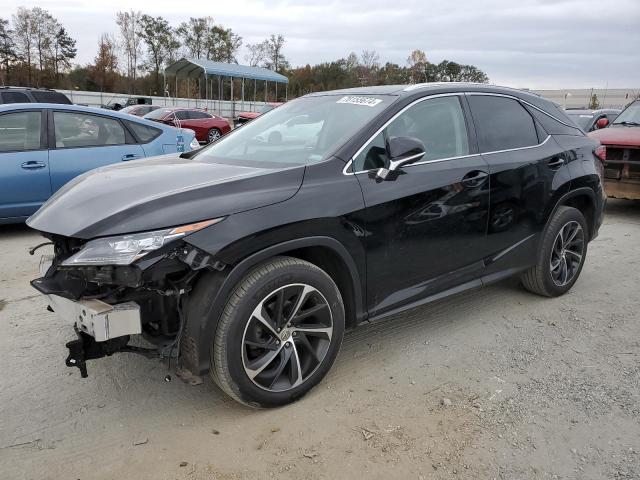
203,312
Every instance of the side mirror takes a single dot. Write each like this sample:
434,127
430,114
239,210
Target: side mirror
602,122
403,151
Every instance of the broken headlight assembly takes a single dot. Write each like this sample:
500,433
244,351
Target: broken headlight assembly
126,249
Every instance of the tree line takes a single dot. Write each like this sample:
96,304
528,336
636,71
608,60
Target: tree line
37,50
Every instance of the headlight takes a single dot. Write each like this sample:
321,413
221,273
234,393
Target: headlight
194,144
125,249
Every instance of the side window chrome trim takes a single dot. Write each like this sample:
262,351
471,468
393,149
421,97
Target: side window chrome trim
519,148
350,162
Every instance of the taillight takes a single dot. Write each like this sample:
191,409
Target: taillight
601,152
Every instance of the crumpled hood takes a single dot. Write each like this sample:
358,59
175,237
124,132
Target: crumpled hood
158,193
624,136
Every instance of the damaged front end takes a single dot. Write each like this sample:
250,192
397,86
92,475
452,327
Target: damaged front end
117,288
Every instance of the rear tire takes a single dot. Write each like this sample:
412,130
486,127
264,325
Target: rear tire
279,333
213,135
561,255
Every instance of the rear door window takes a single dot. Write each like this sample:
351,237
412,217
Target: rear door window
196,115
15,97
20,131
502,123
50,97
73,130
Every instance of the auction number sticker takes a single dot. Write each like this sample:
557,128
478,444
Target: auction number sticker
366,101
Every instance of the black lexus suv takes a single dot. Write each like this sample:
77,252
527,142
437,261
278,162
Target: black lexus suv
249,258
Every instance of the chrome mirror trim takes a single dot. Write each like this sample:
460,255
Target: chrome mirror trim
394,165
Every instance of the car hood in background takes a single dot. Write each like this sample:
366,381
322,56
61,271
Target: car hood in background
158,193
624,136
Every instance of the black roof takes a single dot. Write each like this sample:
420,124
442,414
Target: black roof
424,89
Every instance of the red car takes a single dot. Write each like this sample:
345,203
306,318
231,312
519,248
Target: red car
244,117
622,157
208,127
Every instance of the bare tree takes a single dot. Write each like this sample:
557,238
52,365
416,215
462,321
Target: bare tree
24,37
45,28
417,62
370,59
274,59
370,63
7,49
352,61
129,24
256,54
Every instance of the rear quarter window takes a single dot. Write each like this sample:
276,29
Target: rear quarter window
553,122
143,133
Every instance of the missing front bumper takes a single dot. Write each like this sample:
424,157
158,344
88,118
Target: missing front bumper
99,319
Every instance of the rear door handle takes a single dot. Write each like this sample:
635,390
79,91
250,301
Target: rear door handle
555,162
474,178
130,156
33,165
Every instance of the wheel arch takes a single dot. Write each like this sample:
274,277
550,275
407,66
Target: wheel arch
583,199
203,313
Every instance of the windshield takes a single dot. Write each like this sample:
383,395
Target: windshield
630,116
301,131
157,114
581,119
266,108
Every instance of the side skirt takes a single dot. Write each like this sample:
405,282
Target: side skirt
472,285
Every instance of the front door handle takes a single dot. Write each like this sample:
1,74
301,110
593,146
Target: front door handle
33,165
474,178
556,162
130,156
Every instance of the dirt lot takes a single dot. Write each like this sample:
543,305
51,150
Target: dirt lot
493,384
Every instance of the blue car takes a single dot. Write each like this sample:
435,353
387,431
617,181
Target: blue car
43,146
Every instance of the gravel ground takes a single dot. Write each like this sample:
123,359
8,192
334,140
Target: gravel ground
492,384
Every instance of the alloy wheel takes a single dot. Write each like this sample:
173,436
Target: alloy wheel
213,135
567,253
287,337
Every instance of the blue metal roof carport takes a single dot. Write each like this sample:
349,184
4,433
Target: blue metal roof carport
202,69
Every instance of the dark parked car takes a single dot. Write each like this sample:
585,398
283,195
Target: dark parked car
249,258
32,95
590,120
208,127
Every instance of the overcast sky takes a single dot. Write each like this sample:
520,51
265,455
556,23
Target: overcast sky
521,43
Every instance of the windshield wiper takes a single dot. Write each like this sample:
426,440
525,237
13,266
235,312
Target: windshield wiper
626,122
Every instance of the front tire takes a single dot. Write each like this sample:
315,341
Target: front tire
561,256
279,333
